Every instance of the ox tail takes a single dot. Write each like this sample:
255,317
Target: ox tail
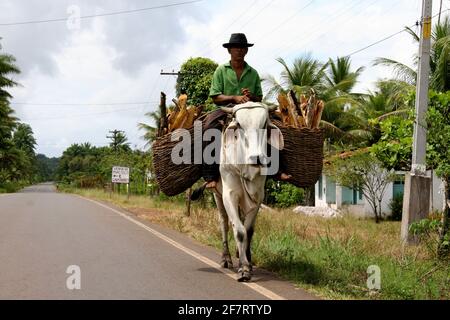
198,193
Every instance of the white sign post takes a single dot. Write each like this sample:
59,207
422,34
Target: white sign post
121,175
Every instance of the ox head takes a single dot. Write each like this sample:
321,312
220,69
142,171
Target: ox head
250,131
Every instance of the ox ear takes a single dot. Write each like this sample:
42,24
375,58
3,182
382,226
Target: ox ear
275,137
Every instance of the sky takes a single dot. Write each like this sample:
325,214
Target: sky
82,78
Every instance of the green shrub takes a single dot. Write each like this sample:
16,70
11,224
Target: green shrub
282,194
427,231
396,206
11,186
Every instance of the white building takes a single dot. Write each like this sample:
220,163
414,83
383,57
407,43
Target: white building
353,202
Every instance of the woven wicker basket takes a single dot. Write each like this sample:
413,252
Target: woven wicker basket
302,156
173,178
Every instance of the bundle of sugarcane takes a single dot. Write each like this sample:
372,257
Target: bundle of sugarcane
302,155
304,114
180,116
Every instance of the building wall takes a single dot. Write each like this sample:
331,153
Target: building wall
328,187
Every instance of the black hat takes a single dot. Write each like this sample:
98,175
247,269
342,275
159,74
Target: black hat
237,40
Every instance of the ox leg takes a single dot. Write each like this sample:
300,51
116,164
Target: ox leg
226,261
249,224
231,203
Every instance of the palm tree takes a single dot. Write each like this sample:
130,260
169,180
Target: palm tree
340,76
10,157
150,132
7,67
439,59
306,73
24,140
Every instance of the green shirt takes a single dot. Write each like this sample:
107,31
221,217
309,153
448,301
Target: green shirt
225,81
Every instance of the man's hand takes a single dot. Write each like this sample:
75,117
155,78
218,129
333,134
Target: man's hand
246,92
251,97
241,99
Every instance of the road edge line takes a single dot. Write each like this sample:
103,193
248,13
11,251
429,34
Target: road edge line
256,287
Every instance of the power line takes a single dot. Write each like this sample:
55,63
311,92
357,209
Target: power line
101,14
209,47
288,44
388,37
82,104
375,43
80,115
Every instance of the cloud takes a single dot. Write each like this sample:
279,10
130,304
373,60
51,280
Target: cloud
138,38
118,58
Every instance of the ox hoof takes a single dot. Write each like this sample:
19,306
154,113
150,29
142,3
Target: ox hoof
244,275
226,263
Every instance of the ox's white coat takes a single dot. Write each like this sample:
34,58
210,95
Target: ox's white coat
240,191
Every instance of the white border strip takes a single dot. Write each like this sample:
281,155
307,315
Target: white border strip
261,290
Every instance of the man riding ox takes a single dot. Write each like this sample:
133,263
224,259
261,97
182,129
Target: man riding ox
238,182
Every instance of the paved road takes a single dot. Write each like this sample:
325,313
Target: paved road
43,232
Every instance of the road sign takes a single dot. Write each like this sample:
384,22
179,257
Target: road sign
120,175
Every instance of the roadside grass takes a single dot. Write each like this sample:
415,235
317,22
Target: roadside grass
328,257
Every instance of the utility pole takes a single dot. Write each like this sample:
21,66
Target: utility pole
417,184
440,11
114,138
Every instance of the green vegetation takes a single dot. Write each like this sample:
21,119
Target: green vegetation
18,163
283,194
87,166
195,80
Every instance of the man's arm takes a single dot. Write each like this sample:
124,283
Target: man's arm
222,99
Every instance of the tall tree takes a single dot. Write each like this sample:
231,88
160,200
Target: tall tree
23,139
7,69
195,80
12,160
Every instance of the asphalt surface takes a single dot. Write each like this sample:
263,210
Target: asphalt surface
43,232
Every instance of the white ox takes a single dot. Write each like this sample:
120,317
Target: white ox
240,190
